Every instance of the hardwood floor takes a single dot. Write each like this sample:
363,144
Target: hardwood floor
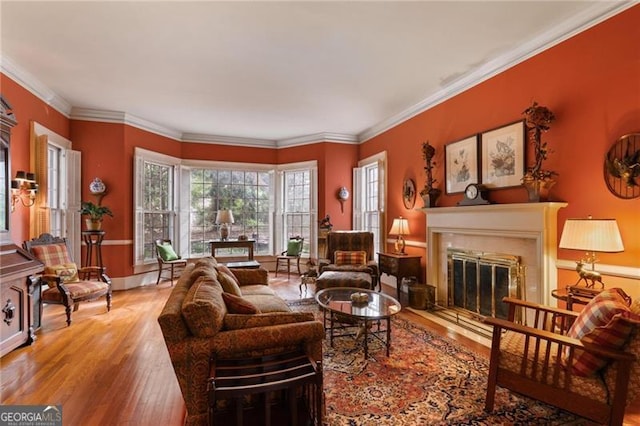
113,368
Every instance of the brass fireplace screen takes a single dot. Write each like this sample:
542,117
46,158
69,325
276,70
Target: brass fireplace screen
477,281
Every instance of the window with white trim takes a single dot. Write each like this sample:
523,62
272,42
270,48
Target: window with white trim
245,192
155,183
55,196
370,197
297,213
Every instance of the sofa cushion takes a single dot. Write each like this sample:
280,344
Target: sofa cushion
603,322
251,289
268,303
229,285
203,308
511,355
203,270
226,270
239,305
350,257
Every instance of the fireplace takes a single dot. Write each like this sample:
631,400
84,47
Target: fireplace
524,231
477,281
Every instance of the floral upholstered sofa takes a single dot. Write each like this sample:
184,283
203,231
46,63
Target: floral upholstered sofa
216,313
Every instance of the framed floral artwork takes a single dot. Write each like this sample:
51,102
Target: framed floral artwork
502,153
461,164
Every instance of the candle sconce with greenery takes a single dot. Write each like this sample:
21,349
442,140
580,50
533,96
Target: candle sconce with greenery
96,213
536,180
429,192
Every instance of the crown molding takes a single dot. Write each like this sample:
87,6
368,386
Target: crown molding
597,13
33,85
103,116
317,138
228,140
578,23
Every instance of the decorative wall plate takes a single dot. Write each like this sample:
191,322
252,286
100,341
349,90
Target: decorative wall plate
409,193
622,167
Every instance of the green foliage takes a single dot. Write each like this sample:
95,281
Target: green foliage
94,211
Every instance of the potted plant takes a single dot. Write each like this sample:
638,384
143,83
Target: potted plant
95,213
537,180
429,192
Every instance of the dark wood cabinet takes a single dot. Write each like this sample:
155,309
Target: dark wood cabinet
20,307
400,266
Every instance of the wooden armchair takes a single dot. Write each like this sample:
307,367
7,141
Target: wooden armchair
293,252
68,284
351,241
538,360
166,256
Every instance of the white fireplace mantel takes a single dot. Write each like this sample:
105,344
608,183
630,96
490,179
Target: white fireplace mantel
535,223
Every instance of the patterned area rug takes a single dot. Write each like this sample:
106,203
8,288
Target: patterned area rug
427,380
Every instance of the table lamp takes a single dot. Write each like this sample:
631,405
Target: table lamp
591,236
400,227
224,218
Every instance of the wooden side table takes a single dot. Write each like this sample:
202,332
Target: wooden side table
575,294
400,266
93,239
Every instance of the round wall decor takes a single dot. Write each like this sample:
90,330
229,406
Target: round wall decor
622,167
409,193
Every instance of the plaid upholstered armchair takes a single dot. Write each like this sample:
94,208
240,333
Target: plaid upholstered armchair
68,284
351,251
586,362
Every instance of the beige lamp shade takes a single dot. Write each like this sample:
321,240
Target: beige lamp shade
400,226
591,235
224,216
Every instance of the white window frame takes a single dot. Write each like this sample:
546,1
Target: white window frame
361,187
188,165
68,180
312,168
142,156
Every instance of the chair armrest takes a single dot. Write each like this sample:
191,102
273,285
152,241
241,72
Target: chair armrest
539,307
500,324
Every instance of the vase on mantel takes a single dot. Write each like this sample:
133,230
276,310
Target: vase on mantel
538,189
430,198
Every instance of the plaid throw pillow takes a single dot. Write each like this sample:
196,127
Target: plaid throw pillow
67,271
52,254
350,257
606,321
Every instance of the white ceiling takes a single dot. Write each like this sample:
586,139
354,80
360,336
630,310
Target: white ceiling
273,72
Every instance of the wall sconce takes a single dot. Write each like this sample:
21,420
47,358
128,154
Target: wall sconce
591,236
224,218
23,189
400,228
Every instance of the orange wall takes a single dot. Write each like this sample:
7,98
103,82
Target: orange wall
27,108
591,82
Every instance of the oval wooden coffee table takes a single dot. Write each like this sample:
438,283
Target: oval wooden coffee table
345,314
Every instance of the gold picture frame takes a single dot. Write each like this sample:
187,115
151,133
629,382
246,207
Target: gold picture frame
502,153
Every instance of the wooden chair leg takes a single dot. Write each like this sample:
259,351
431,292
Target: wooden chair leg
298,263
67,309
159,273
288,268
277,265
108,301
